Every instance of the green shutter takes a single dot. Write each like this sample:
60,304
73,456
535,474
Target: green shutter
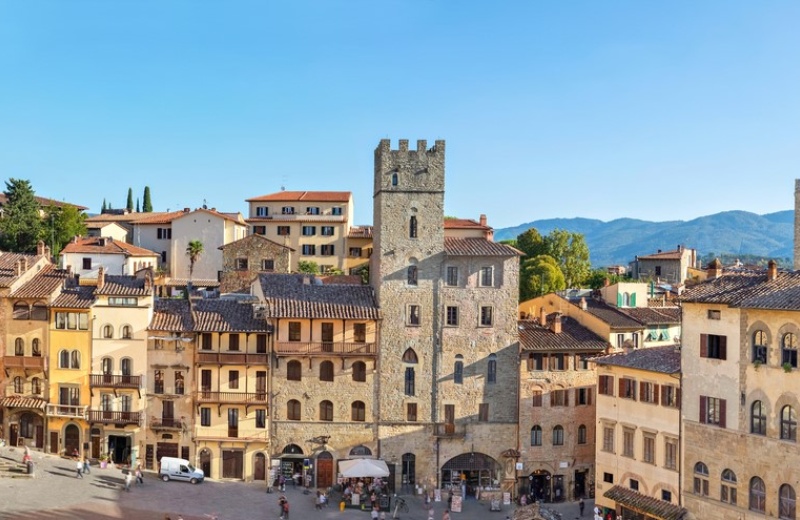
633,300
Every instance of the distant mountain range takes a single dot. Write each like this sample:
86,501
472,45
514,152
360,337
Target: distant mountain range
617,242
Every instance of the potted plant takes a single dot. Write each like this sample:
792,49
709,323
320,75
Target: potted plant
787,367
103,461
757,363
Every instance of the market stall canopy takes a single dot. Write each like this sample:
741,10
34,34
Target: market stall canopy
363,468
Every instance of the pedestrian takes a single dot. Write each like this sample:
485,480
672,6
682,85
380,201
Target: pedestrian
86,465
79,467
318,501
523,499
282,483
581,505
430,513
374,514
446,514
139,477
281,502
286,510
128,480
449,499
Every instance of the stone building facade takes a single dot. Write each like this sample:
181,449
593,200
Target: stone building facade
448,348
245,258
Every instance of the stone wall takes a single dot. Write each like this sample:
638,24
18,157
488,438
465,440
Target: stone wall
254,249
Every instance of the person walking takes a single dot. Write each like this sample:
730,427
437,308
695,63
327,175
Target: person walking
86,466
446,514
79,468
139,477
318,501
581,505
128,480
281,502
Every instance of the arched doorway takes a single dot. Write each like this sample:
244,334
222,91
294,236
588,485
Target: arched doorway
470,470
72,439
325,469
409,469
205,462
292,462
260,467
540,485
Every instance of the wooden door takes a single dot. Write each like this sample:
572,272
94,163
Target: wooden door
168,415
166,449
95,447
40,436
260,467
185,452
261,384
72,440
54,442
205,462
148,456
324,470
232,464
327,337
233,422
450,418
13,434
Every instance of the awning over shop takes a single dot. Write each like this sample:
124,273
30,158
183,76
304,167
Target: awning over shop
648,505
363,468
23,402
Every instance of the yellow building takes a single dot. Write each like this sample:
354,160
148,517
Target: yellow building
70,360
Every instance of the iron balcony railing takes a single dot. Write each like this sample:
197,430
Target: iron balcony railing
165,423
114,381
109,417
449,430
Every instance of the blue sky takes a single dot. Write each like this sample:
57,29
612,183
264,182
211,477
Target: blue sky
650,110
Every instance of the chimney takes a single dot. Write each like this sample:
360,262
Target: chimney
186,210
772,270
714,269
555,326
75,239
101,277
306,280
583,301
47,251
483,219
19,267
40,248
543,317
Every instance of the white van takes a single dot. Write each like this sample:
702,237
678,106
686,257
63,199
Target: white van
179,469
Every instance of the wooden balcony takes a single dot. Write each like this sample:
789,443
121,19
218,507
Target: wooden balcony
230,358
299,348
165,423
109,417
231,397
65,410
114,381
449,430
27,362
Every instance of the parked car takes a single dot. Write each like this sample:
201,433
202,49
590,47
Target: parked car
179,469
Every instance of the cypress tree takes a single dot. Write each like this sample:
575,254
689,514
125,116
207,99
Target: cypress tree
105,207
129,205
137,204
147,204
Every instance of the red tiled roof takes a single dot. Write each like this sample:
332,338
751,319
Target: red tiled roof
573,336
666,359
289,296
121,285
215,315
360,232
158,218
196,282
81,297
44,202
105,245
650,506
305,196
44,284
748,290
654,315
8,266
17,401
463,223
675,254
477,247
171,316
233,217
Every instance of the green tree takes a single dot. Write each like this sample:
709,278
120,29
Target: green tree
63,223
531,243
147,204
21,226
193,251
105,207
308,267
129,203
597,279
137,205
572,254
540,275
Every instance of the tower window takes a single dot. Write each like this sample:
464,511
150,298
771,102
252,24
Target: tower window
412,227
394,179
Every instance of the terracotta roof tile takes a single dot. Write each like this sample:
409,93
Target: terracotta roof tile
233,217
216,315
120,285
675,254
171,316
666,359
17,401
44,284
654,315
360,232
253,238
158,218
305,196
748,289
196,282
126,218
573,336
8,266
650,506
464,223
81,297
288,296
611,315
105,245
477,247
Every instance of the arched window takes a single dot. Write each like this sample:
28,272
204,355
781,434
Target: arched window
701,479
126,366
360,451
491,373
409,356
359,371
39,312
789,350
21,311
412,227
412,274
19,385
558,436
458,370
409,381
536,436
787,506
758,419
107,365
626,300
108,331
19,347
37,350
63,359
394,179
75,359
36,386
582,434
727,492
760,346
127,332
294,371
758,495
326,371
358,411
788,424
325,411
293,410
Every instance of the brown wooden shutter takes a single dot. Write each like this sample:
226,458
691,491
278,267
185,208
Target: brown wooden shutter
641,389
722,413
703,409
621,387
678,397
723,347
703,345
655,393
589,391
530,361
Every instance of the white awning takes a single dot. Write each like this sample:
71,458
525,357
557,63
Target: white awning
363,468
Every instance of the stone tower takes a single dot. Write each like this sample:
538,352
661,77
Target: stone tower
796,224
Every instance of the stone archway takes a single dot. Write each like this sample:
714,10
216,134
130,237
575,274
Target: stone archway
260,467
205,462
468,471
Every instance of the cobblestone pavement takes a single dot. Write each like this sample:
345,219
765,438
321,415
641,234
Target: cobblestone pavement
55,493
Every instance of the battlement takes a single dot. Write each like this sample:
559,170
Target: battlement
385,146
404,170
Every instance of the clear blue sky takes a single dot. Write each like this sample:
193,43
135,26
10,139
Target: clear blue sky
652,110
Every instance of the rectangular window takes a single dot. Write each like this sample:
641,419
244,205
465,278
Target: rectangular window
262,211
608,478
259,230
309,231
713,346
486,316
87,264
355,252
122,302
287,210
627,388
294,331
205,416
164,233
241,263
581,362
487,276
714,314
336,210
648,392
536,362
233,342
558,361
205,343
326,231
411,412
483,412
412,227
309,250
666,496
452,316
327,250
413,315
605,385
536,398
451,279
360,332
634,484
627,442
233,379
559,398
712,411
649,449
620,340
584,396
608,439
268,264
671,453
313,210
283,231
410,381
261,418
670,396
163,257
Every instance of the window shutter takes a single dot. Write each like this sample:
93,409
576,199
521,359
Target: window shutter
641,389
678,397
633,300
664,399
723,347
703,345
703,409
589,391
619,300
722,413
621,387
655,393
